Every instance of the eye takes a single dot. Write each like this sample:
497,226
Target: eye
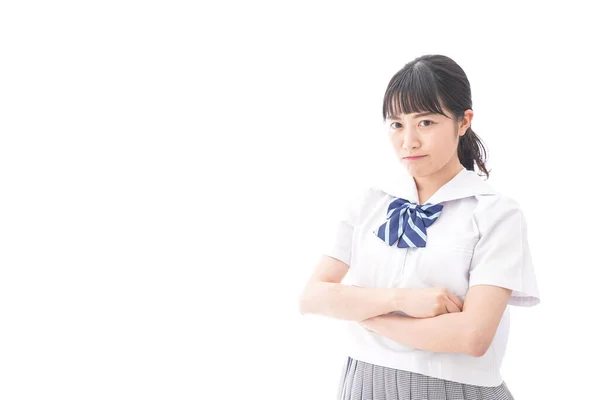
394,126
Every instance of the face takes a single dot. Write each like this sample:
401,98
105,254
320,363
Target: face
432,137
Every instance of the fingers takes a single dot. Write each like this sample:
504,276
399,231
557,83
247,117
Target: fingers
450,306
455,300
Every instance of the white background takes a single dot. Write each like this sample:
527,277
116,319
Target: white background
167,171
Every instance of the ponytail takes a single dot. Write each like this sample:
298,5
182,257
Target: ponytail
470,151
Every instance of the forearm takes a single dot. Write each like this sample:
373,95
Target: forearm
347,302
447,333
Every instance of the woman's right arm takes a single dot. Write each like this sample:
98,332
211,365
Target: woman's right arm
325,295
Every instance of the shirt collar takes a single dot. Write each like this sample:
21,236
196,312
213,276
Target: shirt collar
466,183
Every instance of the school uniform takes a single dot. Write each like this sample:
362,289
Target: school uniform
470,235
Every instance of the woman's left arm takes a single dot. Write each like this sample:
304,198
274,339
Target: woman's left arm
470,331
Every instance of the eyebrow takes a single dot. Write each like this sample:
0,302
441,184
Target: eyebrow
416,116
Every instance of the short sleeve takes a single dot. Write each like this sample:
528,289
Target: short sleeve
502,256
344,217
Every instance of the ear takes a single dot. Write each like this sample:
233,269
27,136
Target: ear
466,122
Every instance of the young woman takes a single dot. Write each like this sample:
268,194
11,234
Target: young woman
431,253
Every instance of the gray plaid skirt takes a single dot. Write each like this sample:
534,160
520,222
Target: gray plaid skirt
364,381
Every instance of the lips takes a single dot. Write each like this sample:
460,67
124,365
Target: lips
413,157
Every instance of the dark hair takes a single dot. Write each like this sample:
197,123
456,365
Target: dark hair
427,83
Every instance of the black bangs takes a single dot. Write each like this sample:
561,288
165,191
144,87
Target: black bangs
412,90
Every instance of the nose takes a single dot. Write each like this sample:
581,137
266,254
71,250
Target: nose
411,140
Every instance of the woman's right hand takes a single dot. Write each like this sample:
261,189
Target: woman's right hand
429,302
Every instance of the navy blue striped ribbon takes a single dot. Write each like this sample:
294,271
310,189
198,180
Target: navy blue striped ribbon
407,222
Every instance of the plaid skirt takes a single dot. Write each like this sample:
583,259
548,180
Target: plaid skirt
364,381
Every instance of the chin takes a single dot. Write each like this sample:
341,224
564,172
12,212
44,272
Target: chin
417,172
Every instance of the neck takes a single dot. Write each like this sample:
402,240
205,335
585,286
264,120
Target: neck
428,185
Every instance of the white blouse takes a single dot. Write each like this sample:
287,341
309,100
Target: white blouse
480,237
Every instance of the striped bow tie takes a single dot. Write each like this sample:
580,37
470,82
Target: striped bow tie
407,221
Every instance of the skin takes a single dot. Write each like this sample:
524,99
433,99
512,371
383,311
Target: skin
434,136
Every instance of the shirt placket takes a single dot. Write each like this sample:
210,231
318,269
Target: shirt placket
404,254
